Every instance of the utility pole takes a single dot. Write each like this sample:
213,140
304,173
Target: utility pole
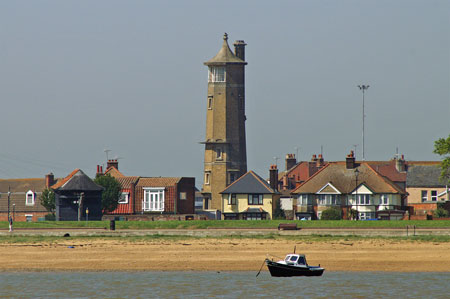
363,88
9,200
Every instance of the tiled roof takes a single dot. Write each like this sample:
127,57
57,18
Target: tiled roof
424,176
22,185
344,179
77,180
157,182
114,172
64,180
126,181
249,183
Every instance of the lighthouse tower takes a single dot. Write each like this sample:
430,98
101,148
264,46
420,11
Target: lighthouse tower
225,145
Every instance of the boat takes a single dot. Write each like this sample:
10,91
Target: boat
293,265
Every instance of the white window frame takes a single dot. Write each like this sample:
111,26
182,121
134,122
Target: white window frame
207,177
367,200
232,199
32,198
435,196
153,199
124,198
329,200
183,195
304,200
424,197
29,215
217,74
366,215
384,199
210,102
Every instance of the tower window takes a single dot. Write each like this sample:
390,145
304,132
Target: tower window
210,102
207,177
219,153
216,74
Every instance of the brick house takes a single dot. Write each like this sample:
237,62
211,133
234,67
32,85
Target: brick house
23,203
152,195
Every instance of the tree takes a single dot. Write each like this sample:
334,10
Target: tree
278,213
47,199
112,192
331,214
442,148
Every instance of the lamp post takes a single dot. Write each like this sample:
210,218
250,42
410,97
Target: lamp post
363,88
356,192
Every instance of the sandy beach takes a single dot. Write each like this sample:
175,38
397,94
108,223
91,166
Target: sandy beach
222,255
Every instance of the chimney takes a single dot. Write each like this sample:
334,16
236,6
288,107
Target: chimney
320,162
314,158
239,49
49,180
400,164
273,177
99,171
112,163
350,160
290,161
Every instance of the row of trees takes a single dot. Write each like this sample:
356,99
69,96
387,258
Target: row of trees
110,195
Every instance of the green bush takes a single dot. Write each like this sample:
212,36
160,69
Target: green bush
331,214
50,217
440,213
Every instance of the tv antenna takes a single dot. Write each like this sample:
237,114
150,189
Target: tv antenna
106,152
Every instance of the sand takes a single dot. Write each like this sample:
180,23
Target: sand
222,255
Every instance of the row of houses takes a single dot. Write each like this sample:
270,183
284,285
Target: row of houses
394,189
391,190
77,197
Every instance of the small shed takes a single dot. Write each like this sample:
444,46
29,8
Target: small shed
77,197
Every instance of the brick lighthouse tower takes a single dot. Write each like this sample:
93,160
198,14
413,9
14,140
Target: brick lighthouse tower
225,145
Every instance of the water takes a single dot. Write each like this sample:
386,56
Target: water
222,285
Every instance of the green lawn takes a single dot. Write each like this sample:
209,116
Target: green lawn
203,224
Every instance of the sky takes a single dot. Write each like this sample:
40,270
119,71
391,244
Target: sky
81,77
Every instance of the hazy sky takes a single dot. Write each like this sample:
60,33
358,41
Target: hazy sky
78,77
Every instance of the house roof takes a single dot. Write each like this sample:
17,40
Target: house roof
22,185
344,180
77,180
126,181
225,55
424,176
249,183
157,182
114,172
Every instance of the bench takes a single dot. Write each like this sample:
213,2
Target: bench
287,226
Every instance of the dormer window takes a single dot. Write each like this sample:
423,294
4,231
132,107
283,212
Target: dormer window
29,200
216,74
124,197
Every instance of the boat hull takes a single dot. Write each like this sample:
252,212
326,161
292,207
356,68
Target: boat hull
281,270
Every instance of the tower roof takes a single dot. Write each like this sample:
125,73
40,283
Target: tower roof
225,55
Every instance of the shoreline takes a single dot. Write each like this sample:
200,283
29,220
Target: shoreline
221,255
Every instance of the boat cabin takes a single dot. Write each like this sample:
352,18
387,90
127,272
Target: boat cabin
295,259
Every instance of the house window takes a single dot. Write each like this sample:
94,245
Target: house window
28,218
424,195
206,203
232,199
364,199
123,198
254,216
304,199
434,196
153,199
29,200
210,102
216,74
207,177
232,177
329,200
384,199
183,195
255,199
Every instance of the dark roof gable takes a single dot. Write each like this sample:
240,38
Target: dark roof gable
249,183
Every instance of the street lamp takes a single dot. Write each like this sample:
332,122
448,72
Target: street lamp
363,88
356,192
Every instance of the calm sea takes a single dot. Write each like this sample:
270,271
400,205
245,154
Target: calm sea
222,285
